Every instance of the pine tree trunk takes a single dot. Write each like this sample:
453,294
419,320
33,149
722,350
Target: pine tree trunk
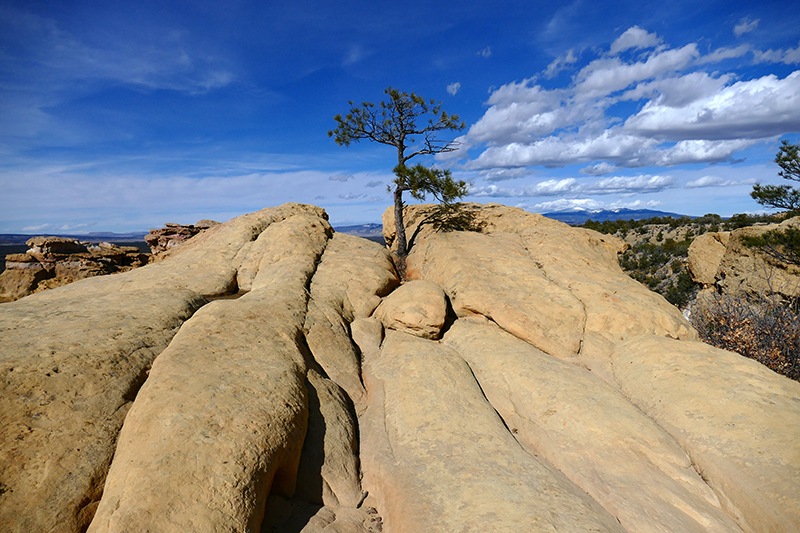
400,228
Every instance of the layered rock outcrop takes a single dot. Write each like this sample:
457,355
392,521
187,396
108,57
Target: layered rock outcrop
720,261
171,235
55,261
269,375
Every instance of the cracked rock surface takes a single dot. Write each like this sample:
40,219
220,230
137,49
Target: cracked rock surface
269,375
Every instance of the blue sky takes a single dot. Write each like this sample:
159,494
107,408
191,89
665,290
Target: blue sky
122,116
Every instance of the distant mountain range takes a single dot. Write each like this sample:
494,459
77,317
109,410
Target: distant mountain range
362,230
17,238
579,217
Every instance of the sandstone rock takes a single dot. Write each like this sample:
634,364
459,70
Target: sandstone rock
55,261
225,403
738,421
329,469
209,263
557,287
367,334
494,276
457,468
721,261
297,516
74,358
171,235
705,254
417,307
41,247
72,361
352,276
591,433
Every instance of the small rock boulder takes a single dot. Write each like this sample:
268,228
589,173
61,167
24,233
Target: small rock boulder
419,308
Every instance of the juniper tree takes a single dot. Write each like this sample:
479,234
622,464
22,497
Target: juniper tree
782,196
393,122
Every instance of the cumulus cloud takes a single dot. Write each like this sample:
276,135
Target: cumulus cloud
681,114
544,188
745,26
757,108
453,88
636,38
605,76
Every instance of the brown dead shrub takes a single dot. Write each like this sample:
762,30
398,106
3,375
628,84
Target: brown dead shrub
764,328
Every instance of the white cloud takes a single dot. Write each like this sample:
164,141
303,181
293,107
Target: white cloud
608,75
716,181
624,185
502,174
374,183
599,169
590,204
628,184
544,188
636,38
352,196
790,56
721,54
341,177
486,52
678,91
560,63
453,88
745,26
752,109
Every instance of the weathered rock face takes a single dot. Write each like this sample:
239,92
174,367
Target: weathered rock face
721,262
55,261
314,396
171,235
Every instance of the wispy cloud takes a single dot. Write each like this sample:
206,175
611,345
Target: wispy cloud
716,181
745,25
486,52
341,177
453,88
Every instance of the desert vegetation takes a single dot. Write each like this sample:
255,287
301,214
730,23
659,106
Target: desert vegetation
763,326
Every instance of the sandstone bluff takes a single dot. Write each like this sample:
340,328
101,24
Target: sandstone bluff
272,375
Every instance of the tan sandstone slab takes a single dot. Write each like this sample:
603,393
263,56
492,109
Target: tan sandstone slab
221,420
738,421
352,276
590,432
438,458
494,276
72,360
